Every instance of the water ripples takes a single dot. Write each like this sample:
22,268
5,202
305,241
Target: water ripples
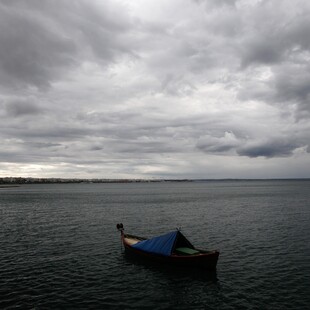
59,247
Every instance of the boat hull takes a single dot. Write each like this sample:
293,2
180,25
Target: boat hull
204,260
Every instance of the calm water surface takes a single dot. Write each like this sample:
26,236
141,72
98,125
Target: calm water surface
59,248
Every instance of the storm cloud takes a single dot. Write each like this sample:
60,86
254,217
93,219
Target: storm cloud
136,89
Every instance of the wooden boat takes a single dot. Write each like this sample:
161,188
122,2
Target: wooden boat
172,248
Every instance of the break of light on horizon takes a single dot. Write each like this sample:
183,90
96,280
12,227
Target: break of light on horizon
155,89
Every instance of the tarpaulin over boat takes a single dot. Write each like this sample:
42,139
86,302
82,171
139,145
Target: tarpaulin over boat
164,244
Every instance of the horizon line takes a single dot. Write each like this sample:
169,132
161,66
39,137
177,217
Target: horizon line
149,179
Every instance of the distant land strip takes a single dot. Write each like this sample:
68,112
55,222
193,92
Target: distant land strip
11,181
23,180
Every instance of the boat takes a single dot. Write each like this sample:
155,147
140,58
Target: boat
172,248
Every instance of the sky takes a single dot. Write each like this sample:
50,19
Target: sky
155,89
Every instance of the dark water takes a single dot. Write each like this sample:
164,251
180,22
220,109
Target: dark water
59,248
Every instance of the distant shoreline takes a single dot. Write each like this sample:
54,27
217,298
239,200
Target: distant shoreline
8,181
15,182
8,185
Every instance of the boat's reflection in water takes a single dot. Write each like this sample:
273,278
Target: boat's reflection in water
179,272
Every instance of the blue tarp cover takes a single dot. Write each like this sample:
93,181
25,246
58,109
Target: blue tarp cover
159,245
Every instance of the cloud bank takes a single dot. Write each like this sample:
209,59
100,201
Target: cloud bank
163,89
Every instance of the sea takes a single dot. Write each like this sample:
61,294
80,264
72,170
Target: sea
59,247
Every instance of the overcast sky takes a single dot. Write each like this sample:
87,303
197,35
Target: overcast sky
155,88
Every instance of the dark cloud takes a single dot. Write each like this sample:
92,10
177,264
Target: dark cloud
269,148
287,85
261,52
278,42
292,84
31,51
19,108
41,40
